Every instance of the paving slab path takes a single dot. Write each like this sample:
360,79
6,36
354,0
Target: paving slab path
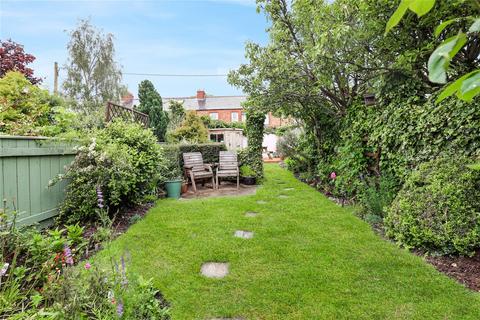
309,259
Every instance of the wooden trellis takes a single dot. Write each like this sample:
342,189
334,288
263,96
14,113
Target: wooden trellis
115,111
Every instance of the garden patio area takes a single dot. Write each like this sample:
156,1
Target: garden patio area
308,259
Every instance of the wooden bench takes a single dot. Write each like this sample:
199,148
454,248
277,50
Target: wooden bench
195,168
228,166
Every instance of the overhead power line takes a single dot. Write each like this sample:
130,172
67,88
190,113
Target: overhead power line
173,75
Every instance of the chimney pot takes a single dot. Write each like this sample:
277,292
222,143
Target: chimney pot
200,94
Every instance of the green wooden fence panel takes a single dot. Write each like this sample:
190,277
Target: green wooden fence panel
27,165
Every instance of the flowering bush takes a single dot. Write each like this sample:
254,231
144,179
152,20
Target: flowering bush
123,163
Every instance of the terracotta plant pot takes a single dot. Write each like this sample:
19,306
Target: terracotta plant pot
184,187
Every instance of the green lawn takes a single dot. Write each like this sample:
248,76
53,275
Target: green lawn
309,259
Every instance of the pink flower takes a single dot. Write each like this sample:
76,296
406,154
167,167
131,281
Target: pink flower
333,175
68,255
88,266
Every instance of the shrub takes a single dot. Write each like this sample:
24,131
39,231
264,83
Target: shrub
246,171
376,195
172,163
25,109
287,144
438,208
123,162
192,130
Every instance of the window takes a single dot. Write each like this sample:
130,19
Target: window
244,116
214,115
267,120
216,137
234,116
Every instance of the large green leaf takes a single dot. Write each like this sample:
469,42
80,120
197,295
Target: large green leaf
397,15
443,25
421,7
475,27
470,87
440,59
454,87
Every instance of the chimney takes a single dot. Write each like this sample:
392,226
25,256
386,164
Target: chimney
200,94
127,100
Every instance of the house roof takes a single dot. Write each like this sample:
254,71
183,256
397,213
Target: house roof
209,103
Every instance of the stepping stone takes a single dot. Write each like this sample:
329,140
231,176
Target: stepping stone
251,214
283,196
244,234
261,202
289,189
215,270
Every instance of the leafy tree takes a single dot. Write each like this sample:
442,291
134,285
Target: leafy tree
14,58
323,57
93,76
192,130
464,41
25,109
177,114
151,104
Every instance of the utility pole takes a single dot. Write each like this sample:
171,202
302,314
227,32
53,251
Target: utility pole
55,78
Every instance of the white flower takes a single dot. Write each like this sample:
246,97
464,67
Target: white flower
92,145
3,271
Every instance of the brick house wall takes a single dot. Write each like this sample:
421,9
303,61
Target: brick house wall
226,115
223,114
223,107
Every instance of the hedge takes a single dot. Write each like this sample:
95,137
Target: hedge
209,151
438,208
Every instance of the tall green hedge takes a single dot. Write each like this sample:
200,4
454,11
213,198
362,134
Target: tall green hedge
255,128
209,151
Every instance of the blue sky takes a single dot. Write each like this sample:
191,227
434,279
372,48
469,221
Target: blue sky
173,37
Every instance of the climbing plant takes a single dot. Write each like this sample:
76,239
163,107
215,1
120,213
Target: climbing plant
254,130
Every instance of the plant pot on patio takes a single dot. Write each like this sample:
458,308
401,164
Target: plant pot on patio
173,188
249,181
248,175
173,176
184,187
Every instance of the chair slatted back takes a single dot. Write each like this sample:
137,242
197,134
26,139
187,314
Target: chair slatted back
228,160
195,160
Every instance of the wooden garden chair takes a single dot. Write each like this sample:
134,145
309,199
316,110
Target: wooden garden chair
228,166
196,169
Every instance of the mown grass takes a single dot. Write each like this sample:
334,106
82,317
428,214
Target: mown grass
309,259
